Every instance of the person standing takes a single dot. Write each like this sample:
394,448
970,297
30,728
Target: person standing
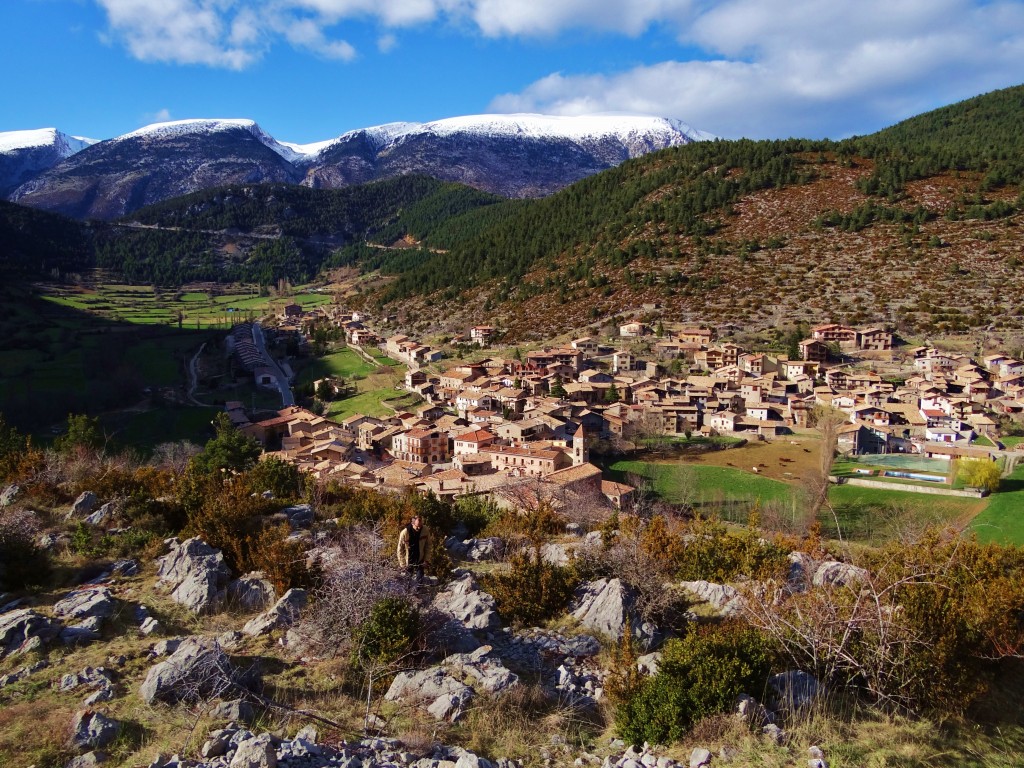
413,547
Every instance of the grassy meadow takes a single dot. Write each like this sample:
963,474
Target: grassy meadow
146,305
725,483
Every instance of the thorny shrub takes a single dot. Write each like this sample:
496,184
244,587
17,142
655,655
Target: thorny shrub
532,590
699,675
924,631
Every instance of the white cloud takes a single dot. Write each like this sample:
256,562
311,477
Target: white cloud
180,31
806,67
743,67
160,116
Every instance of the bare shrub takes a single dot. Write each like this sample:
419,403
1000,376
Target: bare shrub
923,630
358,571
22,561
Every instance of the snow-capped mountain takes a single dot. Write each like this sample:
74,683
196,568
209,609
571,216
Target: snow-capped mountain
513,155
26,154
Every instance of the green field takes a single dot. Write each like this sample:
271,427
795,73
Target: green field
1003,518
701,484
56,360
346,363
1011,442
146,305
863,514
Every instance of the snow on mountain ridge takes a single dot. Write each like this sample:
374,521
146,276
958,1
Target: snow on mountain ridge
633,131
12,141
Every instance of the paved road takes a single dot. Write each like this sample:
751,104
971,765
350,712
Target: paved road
287,398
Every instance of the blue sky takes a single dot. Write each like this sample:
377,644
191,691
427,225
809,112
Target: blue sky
308,70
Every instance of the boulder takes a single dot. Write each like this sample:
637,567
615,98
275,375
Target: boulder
464,601
554,554
443,694
446,688
723,598
91,730
102,516
752,711
252,592
606,605
84,504
88,760
282,615
257,752
196,575
9,494
95,602
197,667
24,628
476,550
837,574
84,632
801,566
235,710
299,516
700,757
649,664
794,690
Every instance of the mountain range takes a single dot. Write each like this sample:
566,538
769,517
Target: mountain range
510,155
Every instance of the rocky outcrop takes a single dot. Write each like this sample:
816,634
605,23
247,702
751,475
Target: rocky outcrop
94,602
83,505
252,592
445,689
464,601
284,613
197,668
23,629
476,550
723,598
91,730
196,575
607,606
836,574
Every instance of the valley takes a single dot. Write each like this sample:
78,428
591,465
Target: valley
514,442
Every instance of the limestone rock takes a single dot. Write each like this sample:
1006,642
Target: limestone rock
91,730
282,615
84,504
794,690
700,757
236,710
299,516
554,554
89,603
723,598
88,760
102,516
649,663
9,494
24,628
196,575
464,601
84,632
257,752
837,574
606,605
252,592
197,667
476,550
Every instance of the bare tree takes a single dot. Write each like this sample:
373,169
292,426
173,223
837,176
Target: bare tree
816,486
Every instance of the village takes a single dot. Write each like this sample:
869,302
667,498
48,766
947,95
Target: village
505,428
